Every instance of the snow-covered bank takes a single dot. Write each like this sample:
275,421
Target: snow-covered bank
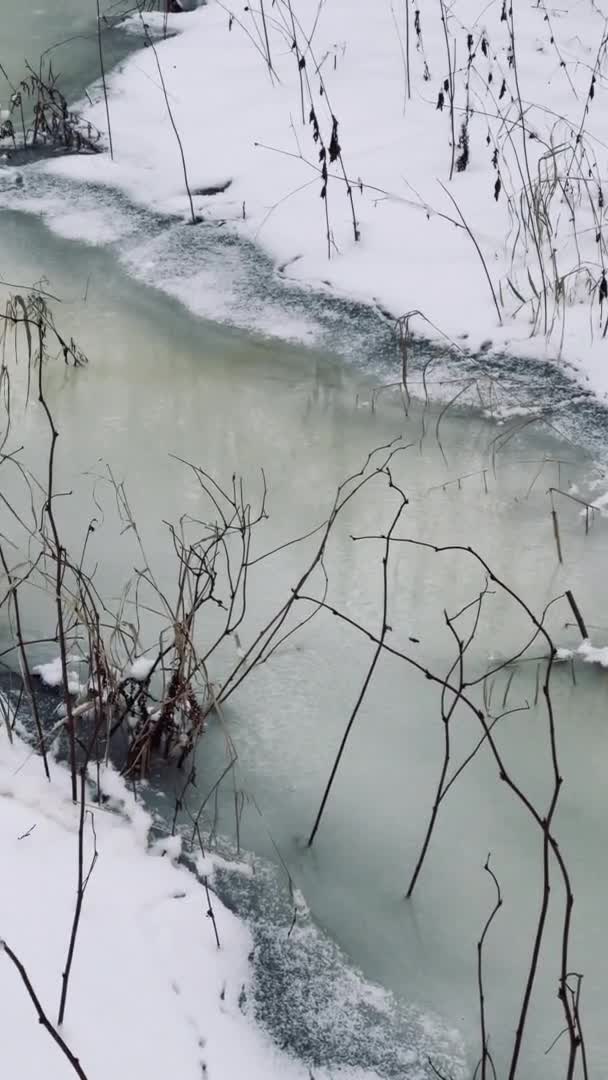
241,128
150,993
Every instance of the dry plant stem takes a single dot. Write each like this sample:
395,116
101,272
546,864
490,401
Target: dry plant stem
432,678
324,92
103,80
296,46
54,123
428,674
211,913
59,556
577,615
590,509
486,1057
82,882
82,878
266,41
405,51
234,18
150,43
407,47
533,218
477,249
377,653
25,668
437,1072
18,96
213,789
403,328
446,407
444,22
228,542
544,822
358,183
446,716
42,1017
270,637
556,535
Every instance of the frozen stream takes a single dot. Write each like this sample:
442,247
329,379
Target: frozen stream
161,382
164,382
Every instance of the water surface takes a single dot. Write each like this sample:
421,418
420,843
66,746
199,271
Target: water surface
162,383
63,32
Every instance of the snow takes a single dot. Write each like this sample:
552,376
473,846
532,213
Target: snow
590,654
151,994
141,668
601,504
51,674
168,845
238,122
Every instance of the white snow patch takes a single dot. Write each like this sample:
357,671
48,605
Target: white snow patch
601,504
122,800
592,654
588,653
168,845
51,674
207,864
141,668
150,991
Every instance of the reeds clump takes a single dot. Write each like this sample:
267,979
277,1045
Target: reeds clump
39,118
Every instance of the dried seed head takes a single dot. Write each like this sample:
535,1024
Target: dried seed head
334,145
